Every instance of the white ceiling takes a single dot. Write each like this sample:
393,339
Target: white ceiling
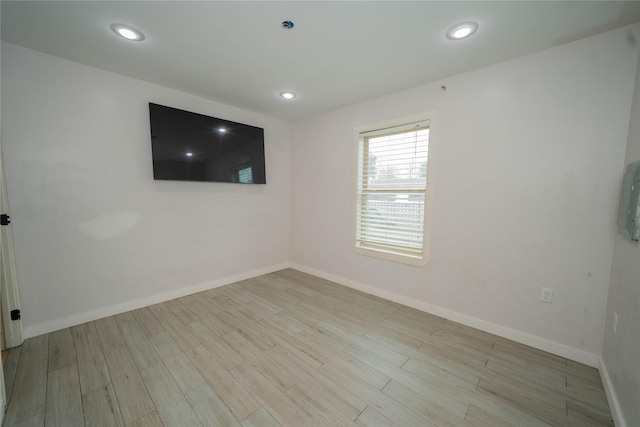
339,52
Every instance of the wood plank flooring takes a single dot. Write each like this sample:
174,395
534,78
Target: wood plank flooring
290,349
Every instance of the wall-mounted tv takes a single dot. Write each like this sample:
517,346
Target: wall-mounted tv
193,147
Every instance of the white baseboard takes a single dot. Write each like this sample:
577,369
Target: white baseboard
562,350
77,319
512,334
612,397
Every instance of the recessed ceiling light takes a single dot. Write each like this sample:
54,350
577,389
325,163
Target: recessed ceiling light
462,30
288,95
127,32
189,154
222,130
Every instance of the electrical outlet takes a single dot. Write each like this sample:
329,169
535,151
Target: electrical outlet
614,324
546,295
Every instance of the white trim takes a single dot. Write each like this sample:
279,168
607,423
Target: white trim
77,319
612,397
394,129
512,334
562,350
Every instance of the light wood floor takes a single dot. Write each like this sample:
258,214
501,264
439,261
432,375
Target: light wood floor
290,349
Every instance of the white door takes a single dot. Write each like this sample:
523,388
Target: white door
9,295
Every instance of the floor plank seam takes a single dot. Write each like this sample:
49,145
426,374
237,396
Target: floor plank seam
467,413
13,380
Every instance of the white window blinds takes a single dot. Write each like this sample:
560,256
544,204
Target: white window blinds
392,183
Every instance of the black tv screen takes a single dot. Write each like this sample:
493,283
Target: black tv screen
193,147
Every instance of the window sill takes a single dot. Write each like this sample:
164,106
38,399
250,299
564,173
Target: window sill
416,260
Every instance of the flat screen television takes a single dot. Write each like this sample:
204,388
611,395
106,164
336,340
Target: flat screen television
193,147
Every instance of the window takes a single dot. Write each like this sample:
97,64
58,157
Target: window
393,201
243,173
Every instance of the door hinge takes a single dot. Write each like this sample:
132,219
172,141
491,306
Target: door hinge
5,219
15,314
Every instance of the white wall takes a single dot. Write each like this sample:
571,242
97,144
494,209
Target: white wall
93,232
529,160
528,163
621,351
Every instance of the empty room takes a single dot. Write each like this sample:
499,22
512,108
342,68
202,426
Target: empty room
301,213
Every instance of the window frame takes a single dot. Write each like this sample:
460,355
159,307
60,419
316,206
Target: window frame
388,253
